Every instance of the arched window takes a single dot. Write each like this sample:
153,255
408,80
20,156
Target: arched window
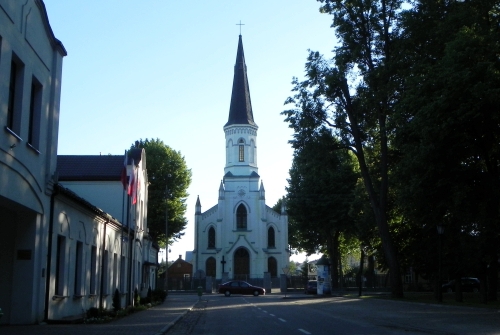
241,217
210,267
211,238
272,267
241,150
270,238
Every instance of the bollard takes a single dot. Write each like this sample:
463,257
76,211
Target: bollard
200,292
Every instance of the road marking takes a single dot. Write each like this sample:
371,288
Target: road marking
272,314
282,320
304,331
265,311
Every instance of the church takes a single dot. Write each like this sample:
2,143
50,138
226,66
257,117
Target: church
240,237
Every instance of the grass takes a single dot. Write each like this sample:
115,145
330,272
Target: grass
469,299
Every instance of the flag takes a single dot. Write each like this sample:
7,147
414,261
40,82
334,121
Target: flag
136,183
131,180
123,177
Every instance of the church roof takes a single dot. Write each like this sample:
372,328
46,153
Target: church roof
240,111
89,167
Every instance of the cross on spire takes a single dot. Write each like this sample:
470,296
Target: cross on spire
240,24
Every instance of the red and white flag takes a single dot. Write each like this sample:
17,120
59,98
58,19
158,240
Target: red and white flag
135,185
131,180
123,177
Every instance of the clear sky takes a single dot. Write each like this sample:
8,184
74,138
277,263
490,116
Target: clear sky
164,69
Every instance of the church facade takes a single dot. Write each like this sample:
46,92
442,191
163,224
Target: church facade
240,237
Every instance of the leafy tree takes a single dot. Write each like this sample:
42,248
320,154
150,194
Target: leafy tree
355,96
169,179
449,138
320,193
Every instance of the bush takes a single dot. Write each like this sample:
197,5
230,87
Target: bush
117,300
93,312
137,297
158,295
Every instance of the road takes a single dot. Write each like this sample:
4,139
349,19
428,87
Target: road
273,314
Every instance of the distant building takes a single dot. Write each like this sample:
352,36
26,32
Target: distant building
240,237
179,274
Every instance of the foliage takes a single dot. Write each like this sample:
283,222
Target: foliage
159,295
320,194
117,300
354,95
449,138
169,179
137,297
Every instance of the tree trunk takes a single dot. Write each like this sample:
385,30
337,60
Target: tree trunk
360,272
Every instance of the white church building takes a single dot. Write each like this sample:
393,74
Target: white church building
240,237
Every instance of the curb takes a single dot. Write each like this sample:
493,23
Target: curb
167,327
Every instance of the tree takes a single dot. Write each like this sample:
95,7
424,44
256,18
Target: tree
169,179
320,194
355,96
449,138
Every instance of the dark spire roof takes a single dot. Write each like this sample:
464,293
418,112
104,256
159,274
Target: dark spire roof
240,111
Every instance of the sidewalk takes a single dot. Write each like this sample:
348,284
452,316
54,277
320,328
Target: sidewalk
154,321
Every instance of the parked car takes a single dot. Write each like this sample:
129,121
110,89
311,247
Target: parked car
240,287
311,287
469,284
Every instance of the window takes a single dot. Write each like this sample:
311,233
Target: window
122,274
241,217
35,113
15,98
93,269
210,267
60,265
105,275
78,269
241,152
115,272
270,238
211,238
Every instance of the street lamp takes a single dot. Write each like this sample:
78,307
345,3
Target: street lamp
166,235
440,230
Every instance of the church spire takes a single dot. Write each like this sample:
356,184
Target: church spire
240,111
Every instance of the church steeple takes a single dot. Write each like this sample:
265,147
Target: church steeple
240,111
240,129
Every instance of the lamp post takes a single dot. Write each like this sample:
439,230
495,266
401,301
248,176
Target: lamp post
440,230
166,239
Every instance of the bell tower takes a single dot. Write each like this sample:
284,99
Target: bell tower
240,129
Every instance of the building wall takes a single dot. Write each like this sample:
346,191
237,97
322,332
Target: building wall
92,255
27,154
111,197
254,239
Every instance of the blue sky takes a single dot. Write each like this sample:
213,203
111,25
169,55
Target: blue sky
164,69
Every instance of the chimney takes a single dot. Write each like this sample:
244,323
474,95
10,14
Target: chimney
180,256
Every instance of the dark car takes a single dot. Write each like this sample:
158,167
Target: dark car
468,285
311,287
240,287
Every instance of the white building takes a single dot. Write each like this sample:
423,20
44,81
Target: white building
240,237
30,87
113,250
61,252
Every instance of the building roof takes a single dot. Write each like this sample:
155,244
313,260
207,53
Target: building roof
91,167
240,111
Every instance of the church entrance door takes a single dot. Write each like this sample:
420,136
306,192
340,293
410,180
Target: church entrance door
241,264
